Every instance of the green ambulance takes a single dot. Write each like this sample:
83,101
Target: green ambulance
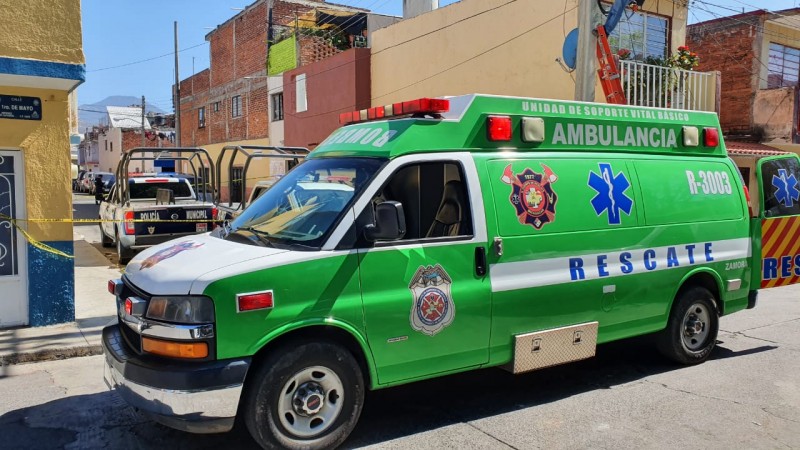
432,237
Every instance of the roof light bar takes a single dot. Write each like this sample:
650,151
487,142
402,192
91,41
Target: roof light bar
419,106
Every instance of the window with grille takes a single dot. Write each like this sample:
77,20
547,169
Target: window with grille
644,35
201,117
277,106
236,106
784,66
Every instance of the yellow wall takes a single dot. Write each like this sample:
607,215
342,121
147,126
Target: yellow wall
46,158
48,30
509,49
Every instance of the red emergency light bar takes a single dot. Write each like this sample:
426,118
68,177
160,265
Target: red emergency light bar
419,106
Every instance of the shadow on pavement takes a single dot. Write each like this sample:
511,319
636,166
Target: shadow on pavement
105,420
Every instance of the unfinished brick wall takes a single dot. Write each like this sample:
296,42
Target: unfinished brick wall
133,139
731,47
238,50
314,49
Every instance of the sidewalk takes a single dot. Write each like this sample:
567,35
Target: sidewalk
94,308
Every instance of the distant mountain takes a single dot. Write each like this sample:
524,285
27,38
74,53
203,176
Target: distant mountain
93,113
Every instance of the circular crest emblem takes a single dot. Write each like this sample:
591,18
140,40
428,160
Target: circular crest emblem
432,306
174,216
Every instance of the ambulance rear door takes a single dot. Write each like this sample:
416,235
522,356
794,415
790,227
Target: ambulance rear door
779,220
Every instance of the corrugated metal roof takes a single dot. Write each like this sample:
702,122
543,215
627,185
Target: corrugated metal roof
126,117
751,148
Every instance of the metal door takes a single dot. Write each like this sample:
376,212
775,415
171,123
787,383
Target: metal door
237,178
779,183
13,262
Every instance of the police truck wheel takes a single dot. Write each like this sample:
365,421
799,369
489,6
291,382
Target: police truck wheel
123,254
691,332
105,241
307,397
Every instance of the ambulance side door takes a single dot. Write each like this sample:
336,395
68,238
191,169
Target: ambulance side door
426,296
779,220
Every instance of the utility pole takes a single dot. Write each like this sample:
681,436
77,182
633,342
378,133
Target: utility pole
177,93
589,17
143,105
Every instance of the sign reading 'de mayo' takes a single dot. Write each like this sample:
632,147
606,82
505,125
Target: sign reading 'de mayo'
20,108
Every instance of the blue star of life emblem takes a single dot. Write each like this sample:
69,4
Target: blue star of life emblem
786,191
611,197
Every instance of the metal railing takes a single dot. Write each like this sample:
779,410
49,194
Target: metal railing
665,87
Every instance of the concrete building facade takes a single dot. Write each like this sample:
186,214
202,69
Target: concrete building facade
758,55
460,49
330,87
38,75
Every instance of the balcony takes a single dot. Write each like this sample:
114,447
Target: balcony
665,87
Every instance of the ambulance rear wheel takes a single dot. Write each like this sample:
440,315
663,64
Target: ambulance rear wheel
691,332
307,397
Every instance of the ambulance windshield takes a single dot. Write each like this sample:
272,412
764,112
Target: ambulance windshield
304,205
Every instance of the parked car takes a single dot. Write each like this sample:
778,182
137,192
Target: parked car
94,175
77,180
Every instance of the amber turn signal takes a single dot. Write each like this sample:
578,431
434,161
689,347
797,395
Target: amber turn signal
190,350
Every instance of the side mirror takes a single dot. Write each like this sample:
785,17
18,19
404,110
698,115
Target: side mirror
390,223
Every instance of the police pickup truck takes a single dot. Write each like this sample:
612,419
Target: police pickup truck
237,161
151,211
141,211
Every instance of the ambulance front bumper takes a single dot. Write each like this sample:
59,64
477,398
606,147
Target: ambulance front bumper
194,397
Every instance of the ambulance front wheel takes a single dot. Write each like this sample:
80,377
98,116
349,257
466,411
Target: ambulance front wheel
691,332
308,396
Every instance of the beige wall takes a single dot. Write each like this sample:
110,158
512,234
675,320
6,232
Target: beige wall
773,113
486,46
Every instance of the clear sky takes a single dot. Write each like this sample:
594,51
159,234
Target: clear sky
122,32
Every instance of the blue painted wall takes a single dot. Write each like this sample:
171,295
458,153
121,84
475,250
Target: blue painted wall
51,285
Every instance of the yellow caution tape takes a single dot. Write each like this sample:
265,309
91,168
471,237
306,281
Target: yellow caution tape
34,242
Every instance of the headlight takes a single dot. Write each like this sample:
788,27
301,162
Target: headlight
194,309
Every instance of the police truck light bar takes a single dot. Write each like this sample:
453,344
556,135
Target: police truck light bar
419,106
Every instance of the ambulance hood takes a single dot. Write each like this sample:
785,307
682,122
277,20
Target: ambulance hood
171,268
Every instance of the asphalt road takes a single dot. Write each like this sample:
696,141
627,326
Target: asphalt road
746,397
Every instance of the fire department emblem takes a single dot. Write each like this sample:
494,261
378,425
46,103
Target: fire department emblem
532,195
169,252
432,308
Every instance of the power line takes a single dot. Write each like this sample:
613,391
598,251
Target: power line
723,25
146,60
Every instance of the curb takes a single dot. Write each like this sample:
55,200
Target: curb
50,355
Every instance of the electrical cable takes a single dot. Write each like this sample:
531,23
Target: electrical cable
145,60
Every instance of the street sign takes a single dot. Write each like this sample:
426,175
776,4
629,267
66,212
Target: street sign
20,108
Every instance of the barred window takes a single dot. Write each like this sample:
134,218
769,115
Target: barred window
644,35
277,106
236,106
784,66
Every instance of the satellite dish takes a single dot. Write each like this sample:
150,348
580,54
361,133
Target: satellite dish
570,50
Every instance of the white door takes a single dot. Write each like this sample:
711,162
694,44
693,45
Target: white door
13,250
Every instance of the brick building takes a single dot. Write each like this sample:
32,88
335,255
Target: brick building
229,103
123,133
758,55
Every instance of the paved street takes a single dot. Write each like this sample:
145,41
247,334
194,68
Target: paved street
85,208
747,396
